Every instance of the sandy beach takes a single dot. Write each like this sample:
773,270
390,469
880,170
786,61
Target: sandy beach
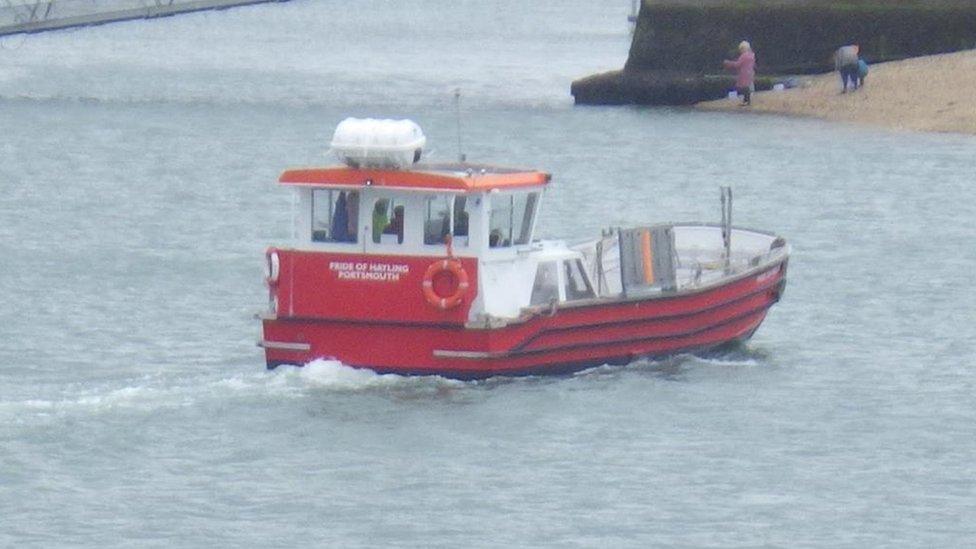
933,93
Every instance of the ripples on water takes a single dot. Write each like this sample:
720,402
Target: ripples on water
137,173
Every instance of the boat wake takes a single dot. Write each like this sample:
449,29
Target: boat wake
674,367
156,393
735,354
152,394
149,396
336,376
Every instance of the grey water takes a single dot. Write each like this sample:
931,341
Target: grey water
137,194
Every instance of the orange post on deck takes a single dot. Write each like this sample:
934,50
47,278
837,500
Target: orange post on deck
647,257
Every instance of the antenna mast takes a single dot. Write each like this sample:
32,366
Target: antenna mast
457,113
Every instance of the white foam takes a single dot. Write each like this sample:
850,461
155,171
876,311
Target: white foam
727,362
236,384
156,393
595,371
146,395
332,374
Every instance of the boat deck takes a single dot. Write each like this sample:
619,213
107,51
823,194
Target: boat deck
697,258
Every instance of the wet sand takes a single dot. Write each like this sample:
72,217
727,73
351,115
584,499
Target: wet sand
935,93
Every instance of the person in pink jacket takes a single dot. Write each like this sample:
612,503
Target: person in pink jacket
745,68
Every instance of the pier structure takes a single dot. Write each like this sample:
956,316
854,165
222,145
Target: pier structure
32,16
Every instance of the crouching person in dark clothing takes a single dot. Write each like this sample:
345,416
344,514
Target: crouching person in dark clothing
862,72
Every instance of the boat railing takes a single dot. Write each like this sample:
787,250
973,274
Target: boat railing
670,257
739,251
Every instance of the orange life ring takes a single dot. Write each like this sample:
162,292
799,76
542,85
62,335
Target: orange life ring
454,267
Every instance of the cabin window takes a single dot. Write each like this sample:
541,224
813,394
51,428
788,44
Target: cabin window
443,215
460,220
511,218
437,218
335,215
387,221
575,284
546,287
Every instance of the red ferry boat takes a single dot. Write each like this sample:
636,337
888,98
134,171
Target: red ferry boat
424,269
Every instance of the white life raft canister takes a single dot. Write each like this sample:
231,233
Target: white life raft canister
373,143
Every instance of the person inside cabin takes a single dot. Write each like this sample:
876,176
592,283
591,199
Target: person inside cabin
340,220
460,216
494,238
352,216
380,220
396,224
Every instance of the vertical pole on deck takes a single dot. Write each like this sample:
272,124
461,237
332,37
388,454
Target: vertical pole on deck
727,224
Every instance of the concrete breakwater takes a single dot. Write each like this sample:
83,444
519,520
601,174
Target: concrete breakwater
677,49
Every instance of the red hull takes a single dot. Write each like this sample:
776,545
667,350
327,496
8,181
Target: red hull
572,338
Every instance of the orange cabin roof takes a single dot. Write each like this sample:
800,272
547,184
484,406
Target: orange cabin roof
454,177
